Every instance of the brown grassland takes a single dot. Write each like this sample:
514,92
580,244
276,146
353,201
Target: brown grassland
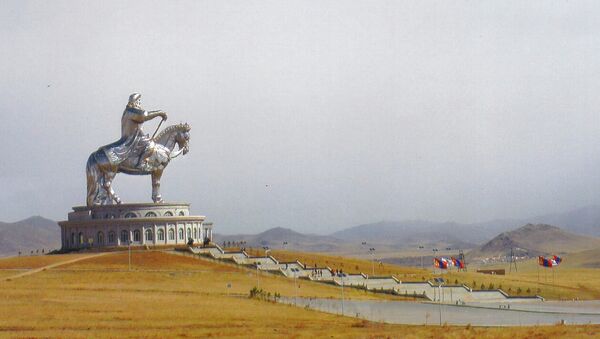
28,262
168,295
570,281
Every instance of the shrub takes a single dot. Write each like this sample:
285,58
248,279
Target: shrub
482,287
519,290
455,281
528,291
500,286
491,286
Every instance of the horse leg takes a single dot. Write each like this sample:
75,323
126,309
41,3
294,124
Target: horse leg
156,197
112,196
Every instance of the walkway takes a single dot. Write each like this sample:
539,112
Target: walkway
56,264
401,312
448,294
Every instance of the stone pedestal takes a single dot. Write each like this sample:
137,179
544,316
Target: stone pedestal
144,224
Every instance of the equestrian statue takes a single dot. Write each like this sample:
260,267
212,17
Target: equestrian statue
135,153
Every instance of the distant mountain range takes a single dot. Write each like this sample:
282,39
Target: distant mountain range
35,233
533,240
395,235
275,238
413,233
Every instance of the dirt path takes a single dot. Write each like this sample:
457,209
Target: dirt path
56,264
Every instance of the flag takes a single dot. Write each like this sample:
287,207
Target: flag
441,263
546,262
458,263
556,260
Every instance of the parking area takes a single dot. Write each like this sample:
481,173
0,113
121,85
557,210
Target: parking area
479,314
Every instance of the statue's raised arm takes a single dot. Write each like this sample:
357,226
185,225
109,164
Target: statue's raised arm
134,153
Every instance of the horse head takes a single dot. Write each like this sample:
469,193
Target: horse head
183,138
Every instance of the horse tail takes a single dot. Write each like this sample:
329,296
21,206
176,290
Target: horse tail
93,174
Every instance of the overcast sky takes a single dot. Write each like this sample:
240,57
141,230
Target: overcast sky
352,111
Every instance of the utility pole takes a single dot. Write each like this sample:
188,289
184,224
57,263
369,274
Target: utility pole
512,261
295,290
440,300
129,254
433,268
421,250
257,277
372,250
341,275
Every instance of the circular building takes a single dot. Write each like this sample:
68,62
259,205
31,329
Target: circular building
140,224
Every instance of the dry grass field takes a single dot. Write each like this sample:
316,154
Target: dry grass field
28,262
350,265
571,279
568,281
167,295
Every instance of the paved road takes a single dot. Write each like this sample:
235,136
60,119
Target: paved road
400,312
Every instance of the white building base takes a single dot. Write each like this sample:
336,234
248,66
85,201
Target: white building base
143,224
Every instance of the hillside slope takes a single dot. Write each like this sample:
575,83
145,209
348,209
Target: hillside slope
415,232
275,238
533,240
35,233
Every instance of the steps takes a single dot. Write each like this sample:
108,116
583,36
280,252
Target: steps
448,294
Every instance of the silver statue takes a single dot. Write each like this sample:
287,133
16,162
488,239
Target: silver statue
135,153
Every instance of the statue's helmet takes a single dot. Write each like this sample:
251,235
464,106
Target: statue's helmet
134,100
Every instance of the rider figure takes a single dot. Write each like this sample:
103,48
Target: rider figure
133,142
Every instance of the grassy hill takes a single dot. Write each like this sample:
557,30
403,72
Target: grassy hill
534,240
585,259
167,295
35,233
275,237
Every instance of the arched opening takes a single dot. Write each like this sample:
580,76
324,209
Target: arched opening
181,213
148,235
130,215
189,233
160,235
150,215
181,234
136,236
168,214
124,237
111,237
100,238
80,238
73,238
171,234
195,233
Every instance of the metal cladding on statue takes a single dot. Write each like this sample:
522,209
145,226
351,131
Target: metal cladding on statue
134,153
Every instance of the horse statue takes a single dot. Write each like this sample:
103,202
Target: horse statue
101,171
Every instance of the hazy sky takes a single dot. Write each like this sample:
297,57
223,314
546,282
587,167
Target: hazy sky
352,111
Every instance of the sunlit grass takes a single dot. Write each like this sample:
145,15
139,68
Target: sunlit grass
569,282
167,295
